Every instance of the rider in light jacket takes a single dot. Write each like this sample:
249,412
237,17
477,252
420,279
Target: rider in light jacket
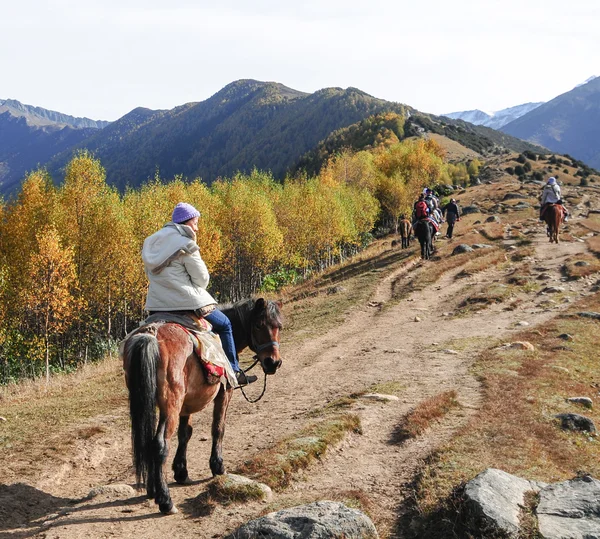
551,195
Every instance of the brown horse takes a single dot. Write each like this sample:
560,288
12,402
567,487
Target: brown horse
553,215
162,370
405,230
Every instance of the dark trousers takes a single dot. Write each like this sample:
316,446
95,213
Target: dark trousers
450,228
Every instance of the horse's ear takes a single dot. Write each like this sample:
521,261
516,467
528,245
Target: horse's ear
260,303
279,303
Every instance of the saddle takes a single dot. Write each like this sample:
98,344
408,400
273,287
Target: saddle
206,344
558,204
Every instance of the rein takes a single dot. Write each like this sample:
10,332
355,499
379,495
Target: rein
241,388
274,344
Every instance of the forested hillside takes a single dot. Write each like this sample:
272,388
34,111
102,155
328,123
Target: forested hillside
248,124
71,276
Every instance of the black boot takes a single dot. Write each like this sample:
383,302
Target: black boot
244,379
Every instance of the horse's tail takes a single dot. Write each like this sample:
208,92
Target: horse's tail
142,353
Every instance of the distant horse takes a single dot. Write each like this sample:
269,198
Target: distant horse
405,230
425,232
162,370
553,215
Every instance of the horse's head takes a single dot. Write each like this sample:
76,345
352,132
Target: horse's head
265,325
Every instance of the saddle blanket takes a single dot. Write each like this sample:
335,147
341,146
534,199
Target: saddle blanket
435,224
206,344
560,206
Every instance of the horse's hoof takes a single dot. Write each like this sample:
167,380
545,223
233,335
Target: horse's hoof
182,478
168,508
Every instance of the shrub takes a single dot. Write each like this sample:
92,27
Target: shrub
521,159
510,170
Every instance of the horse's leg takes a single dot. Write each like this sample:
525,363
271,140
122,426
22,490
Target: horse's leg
221,403
160,452
184,434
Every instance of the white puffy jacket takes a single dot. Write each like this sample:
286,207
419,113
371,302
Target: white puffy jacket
178,276
550,194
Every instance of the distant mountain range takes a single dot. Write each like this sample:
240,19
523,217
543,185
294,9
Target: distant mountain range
247,124
495,120
568,124
31,136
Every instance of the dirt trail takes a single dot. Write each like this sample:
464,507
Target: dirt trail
383,342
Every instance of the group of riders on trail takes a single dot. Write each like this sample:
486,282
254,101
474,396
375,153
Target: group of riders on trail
179,277
427,208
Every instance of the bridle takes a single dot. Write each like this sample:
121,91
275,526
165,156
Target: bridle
256,349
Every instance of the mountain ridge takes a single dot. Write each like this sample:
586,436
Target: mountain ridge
567,124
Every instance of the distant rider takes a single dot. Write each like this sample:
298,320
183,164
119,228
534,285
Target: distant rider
421,209
551,195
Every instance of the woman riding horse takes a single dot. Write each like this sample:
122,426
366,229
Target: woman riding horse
162,368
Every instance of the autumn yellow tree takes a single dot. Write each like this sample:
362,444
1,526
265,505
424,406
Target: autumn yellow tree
252,239
52,275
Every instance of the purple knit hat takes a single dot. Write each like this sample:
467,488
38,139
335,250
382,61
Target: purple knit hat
183,212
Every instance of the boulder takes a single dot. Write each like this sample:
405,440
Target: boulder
470,209
112,491
462,248
494,498
493,219
570,509
576,422
233,485
584,401
595,316
513,196
521,206
482,246
319,520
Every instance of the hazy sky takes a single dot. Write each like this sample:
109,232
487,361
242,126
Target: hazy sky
102,58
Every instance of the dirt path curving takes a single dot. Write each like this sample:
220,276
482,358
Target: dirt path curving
415,342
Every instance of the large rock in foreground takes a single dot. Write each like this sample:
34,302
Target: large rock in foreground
495,499
570,510
319,520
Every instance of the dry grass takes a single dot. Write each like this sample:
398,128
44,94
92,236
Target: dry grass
225,491
593,244
582,266
492,231
515,428
488,259
32,407
312,307
428,273
277,466
421,418
483,297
